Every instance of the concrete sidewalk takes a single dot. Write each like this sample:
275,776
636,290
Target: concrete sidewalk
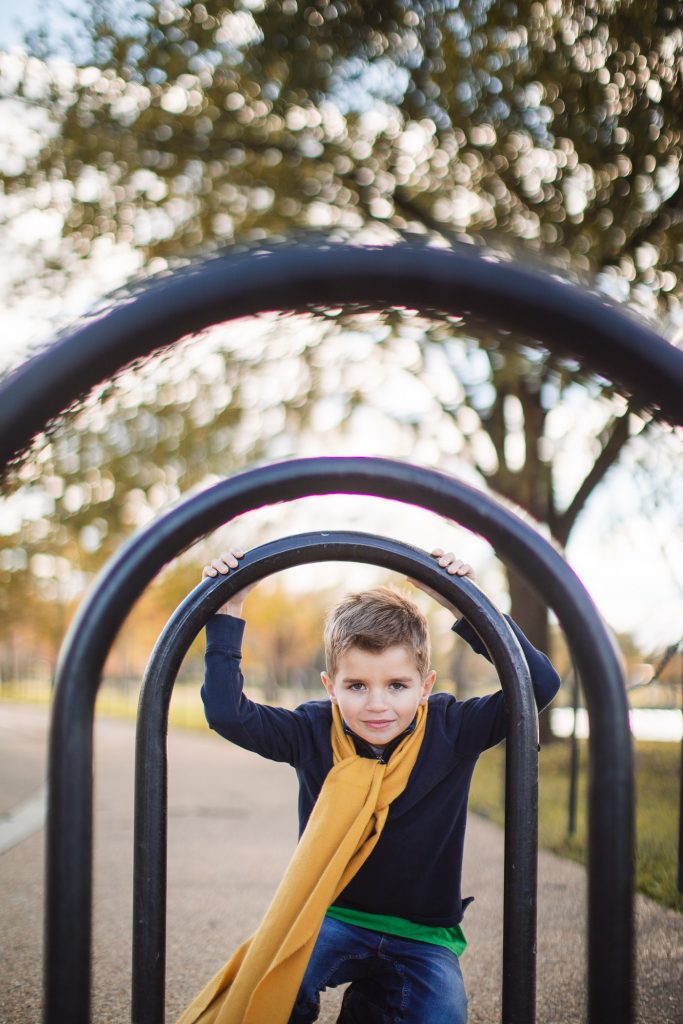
232,827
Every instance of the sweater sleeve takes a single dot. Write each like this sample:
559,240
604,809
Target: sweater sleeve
275,733
483,720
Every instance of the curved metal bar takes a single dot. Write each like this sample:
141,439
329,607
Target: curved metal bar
521,794
610,869
545,308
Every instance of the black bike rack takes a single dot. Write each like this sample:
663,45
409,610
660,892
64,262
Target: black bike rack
521,792
290,277
550,312
69,828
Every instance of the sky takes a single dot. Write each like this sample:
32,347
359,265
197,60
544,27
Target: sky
17,15
631,562
13,15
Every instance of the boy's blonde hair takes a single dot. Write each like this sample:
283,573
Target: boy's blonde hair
374,620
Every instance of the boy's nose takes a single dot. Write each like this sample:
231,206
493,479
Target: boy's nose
376,700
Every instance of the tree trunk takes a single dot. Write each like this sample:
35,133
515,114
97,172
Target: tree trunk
531,615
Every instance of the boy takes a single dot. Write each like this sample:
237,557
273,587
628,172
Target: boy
393,930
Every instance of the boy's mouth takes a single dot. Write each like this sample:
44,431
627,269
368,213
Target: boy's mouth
380,723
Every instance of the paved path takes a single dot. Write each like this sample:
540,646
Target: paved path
232,828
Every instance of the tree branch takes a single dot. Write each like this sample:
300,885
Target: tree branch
409,208
618,437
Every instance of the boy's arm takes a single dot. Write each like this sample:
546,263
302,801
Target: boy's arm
272,732
483,719
275,733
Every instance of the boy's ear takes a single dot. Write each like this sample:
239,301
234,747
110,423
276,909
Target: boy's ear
427,685
329,686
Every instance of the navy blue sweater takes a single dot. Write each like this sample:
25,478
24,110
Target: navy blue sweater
414,871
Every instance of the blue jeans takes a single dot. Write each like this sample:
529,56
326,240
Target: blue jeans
393,980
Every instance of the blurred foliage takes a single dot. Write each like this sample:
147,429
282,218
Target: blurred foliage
283,645
544,129
194,124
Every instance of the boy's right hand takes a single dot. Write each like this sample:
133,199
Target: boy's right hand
222,565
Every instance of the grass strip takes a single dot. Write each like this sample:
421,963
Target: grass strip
657,774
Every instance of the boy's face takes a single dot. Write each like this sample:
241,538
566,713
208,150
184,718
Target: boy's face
378,693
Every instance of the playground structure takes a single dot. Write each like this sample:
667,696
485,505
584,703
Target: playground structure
565,319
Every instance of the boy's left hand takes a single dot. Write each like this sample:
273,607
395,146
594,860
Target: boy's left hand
454,567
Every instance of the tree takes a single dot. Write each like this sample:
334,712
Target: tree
284,640
538,128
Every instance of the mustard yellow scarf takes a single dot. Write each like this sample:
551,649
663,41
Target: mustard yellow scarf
260,982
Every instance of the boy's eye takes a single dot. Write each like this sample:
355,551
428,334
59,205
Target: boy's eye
357,687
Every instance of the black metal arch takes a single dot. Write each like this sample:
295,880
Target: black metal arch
68,909
547,309
521,791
